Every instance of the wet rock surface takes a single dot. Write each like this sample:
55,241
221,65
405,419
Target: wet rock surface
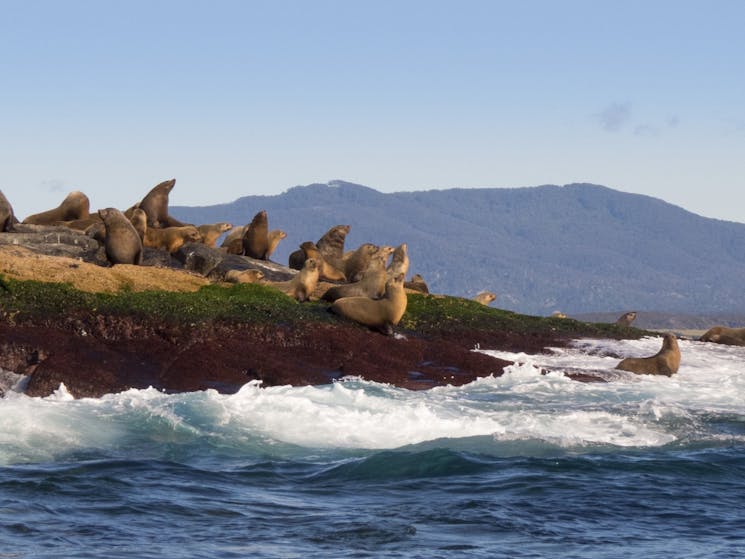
96,355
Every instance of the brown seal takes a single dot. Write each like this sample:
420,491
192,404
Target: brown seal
485,297
155,204
399,261
123,245
171,238
357,262
417,283
381,314
626,319
75,206
304,283
236,234
330,245
558,314
372,285
275,235
211,232
7,219
139,220
244,276
326,270
256,237
665,362
81,224
724,335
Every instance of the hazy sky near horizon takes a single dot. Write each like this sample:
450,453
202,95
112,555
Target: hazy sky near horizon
234,98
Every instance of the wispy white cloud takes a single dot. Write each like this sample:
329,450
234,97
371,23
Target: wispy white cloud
614,117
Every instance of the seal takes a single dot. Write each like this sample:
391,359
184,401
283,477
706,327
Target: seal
211,232
558,314
326,270
171,238
485,297
304,283
665,362
399,261
155,204
7,218
626,319
381,314
123,245
235,234
275,235
417,283
330,245
244,276
256,237
357,262
724,335
139,220
75,206
372,284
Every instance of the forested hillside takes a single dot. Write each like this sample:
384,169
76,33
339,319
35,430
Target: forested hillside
577,248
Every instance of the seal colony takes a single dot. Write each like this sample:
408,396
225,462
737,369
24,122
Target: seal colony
359,283
365,284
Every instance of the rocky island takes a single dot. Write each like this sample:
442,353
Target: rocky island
66,319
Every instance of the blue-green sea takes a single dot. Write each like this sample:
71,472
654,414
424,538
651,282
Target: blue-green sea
528,464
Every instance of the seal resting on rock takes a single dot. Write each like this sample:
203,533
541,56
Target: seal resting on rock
7,219
155,204
244,276
665,362
381,314
75,206
331,246
626,319
485,297
357,262
326,270
724,335
417,283
211,232
171,238
123,244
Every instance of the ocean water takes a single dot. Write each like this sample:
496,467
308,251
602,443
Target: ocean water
523,465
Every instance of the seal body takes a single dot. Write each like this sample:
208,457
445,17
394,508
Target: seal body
417,283
326,270
399,261
139,221
171,238
665,362
304,283
274,237
357,262
381,314
724,335
212,231
75,206
244,276
256,237
485,297
7,219
155,204
626,319
372,285
123,244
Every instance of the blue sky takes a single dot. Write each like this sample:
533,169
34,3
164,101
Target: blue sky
237,98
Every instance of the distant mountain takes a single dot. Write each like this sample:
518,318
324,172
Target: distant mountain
578,248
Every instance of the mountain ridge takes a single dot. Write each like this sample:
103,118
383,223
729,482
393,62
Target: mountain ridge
578,248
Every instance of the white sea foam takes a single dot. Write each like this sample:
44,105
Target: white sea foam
524,404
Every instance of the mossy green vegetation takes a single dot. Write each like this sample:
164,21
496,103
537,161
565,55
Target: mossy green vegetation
428,313
237,303
255,303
